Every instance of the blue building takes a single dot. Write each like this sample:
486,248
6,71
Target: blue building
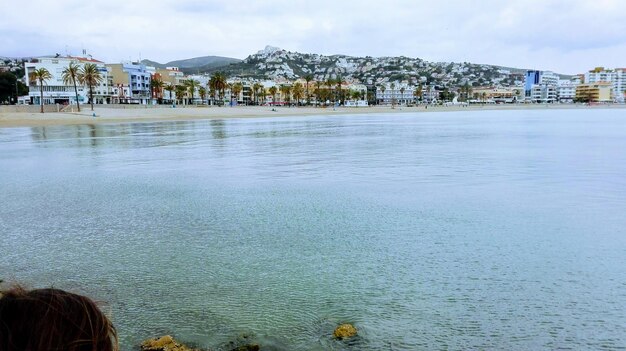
131,83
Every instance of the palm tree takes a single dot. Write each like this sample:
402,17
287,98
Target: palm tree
218,84
90,76
418,93
329,83
285,90
236,89
202,92
256,87
191,85
298,92
156,88
393,95
308,78
273,91
339,81
70,76
262,94
180,92
382,89
402,92
170,88
318,86
40,75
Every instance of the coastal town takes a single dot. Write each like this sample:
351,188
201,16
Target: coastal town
275,77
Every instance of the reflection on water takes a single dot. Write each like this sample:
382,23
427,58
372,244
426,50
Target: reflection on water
498,230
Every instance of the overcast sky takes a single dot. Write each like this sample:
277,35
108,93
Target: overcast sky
567,36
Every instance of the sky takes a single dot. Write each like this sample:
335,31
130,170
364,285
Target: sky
565,36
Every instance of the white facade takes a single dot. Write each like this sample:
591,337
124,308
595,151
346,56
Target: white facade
55,91
544,94
619,85
566,93
616,77
401,93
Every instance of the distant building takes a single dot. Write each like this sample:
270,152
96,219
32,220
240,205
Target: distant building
401,94
617,78
495,94
55,91
540,86
594,92
131,83
566,91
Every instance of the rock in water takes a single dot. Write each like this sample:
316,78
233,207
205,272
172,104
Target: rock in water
164,343
345,331
251,347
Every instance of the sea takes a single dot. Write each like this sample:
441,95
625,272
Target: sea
467,230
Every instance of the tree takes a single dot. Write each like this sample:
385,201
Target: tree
262,94
191,85
273,90
180,91
156,88
236,89
285,90
298,92
393,95
355,94
40,76
256,87
70,76
382,90
202,92
11,87
417,93
218,84
466,91
90,76
329,83
170,89
339,81
402,90
318,86
308,78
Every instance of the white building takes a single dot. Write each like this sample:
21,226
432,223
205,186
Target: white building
619,85
55,91
566,91
541,86
617,78
399,93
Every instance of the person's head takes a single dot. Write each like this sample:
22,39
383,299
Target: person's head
53,319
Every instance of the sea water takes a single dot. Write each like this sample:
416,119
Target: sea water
459,230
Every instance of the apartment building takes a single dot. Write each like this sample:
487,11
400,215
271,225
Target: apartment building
55,91
399,93
540,86
594,92
130,83
617,78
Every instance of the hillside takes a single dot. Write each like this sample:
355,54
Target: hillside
196,64
275,63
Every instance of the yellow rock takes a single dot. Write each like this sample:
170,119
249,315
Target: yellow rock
345,331
164,343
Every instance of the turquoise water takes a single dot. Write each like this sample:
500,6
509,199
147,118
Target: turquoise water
459,230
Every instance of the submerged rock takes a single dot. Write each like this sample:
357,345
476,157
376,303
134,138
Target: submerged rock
344,331
164,343
250,347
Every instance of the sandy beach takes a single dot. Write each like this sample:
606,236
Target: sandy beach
122,114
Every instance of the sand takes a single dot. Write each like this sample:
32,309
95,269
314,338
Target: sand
119,114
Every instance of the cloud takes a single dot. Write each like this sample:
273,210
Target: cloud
567,36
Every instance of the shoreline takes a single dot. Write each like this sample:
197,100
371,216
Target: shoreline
134,113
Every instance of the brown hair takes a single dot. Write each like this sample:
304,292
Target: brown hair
53,319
